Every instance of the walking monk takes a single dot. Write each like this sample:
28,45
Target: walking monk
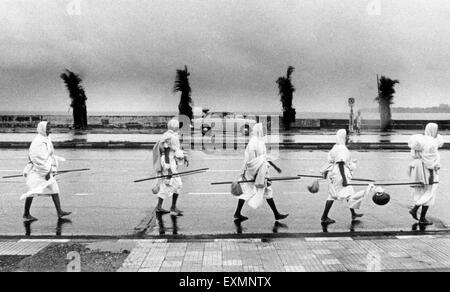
167,157
256,167
42,165
425,169
339,172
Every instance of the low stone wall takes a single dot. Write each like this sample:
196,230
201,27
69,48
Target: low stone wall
375,124
64,121
20,121
139,122
306,124
160,122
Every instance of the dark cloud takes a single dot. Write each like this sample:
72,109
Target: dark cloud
128,51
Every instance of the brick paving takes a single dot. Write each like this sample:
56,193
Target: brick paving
421,253
402,253
23,247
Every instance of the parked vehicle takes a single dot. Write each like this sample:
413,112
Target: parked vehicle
137,126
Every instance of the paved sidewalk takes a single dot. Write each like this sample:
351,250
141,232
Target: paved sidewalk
22,248
401,253
425,253
26,247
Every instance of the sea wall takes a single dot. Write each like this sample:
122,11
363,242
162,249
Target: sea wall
63,121
159,122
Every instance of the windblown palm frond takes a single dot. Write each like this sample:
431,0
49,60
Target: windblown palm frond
386,90
78,98
182,85
286,92
385,98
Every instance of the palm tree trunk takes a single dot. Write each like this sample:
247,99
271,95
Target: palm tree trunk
84,114
286,120
75,117
385,116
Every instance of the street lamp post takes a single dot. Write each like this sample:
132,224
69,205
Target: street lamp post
351,104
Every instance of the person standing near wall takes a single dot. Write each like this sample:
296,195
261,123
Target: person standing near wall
358,122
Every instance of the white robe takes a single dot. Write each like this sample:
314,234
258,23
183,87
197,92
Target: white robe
166,188
42,162
256,168
426,160
336,191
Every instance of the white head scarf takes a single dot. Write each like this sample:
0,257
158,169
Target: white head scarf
42,128
432,134
341,137
46,154
258,131
425,147
431,130
173,125
340,152
170,139
257,144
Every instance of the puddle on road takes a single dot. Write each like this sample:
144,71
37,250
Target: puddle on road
82,195
61,224
170,226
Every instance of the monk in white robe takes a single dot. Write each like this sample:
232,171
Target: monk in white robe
256,167
425,169
339,172
42,165
167,158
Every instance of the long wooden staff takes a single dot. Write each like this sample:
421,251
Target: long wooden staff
58,173
252,181
275,167
393,184
321,177
172,175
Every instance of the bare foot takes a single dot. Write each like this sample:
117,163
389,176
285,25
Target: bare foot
356,216
29,218
176,212
161,211
63,214
240,218
425,222
328,221
281,216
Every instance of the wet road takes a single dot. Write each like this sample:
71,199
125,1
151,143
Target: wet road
307,137
105,201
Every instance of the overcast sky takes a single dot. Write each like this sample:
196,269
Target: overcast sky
127,51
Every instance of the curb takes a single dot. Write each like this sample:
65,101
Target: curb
264,237
149,145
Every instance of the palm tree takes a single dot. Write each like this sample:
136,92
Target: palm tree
78,99
287,90
385,99
182,85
